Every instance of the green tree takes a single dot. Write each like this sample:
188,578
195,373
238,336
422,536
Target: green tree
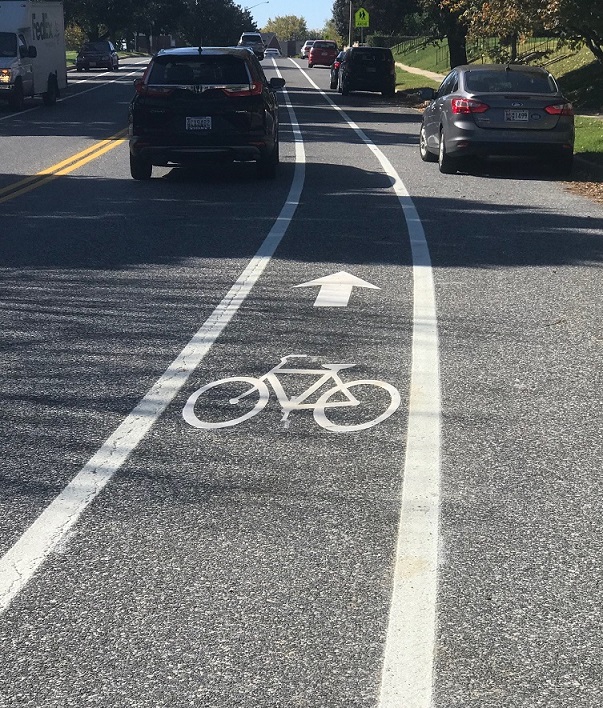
215,22
99,18
576,19
386,16
287,27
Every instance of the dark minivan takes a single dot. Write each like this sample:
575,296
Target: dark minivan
204,104
367,69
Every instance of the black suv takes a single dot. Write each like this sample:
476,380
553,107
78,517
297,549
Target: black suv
367,69
101,53
204,104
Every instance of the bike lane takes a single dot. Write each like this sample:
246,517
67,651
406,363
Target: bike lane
283,535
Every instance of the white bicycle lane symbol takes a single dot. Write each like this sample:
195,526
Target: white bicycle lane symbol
339,396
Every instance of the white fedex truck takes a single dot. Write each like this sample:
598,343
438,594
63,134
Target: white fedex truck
32,51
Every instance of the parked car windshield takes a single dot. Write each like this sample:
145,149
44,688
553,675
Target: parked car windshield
8,44
201,70
511,80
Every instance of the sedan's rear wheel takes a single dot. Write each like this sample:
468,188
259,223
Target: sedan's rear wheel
52,93
426,155
563,165
140,168
448,165
17,100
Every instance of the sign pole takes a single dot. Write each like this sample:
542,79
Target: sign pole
350,27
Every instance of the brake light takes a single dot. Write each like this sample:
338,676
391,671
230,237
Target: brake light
468,105
143,89
560,109
146,73
244,90
336,64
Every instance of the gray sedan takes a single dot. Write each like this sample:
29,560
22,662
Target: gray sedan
497,109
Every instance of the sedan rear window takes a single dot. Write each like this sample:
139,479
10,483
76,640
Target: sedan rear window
511,80
199,70
96,47
324,45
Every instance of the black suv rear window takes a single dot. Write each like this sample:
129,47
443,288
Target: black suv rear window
201,70
371,55
512,80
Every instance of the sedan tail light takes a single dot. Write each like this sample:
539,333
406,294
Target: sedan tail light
560,109
468,105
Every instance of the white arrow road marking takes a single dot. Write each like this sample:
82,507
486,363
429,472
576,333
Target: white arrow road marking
335,289
410,644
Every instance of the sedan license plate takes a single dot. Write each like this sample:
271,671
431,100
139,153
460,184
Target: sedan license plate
514,116
198,123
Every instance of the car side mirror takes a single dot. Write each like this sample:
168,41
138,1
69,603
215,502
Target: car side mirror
427,94
276,83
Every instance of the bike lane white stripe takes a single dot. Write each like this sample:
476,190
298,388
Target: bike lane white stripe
407,676
23,559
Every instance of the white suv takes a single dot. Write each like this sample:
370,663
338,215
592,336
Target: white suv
306,48
253,41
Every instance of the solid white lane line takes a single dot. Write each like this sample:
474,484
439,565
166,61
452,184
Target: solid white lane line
24,558
407,677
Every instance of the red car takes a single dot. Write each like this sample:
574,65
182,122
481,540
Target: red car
322,53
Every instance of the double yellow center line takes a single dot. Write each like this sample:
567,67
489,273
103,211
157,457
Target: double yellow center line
62,168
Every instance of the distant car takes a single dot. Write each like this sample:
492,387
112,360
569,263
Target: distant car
497,110
272,52
306,48
367,69
98,54
335,69
202,105
254,41
322,53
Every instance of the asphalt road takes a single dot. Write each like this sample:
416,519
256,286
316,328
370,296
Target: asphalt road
442,552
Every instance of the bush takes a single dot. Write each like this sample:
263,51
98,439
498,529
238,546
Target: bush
74,37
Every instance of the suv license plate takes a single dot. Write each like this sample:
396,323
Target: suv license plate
516,116
200,123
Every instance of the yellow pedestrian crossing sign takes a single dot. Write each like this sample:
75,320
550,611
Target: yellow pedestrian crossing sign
361,18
